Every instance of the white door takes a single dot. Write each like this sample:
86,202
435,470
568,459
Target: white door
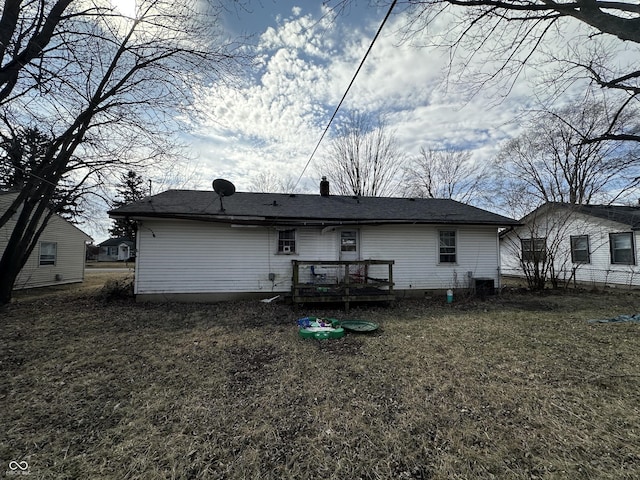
124,252
350,250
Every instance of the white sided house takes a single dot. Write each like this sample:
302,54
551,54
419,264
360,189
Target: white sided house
582,244
118,249
195,245
59,256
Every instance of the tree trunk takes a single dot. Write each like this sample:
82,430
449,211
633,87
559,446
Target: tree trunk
10,267
31,221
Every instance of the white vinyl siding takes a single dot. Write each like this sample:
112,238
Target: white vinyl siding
204,257
199,257
69,253
415,249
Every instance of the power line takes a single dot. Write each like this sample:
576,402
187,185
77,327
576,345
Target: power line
26,172
353,79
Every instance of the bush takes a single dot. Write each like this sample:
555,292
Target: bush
117,289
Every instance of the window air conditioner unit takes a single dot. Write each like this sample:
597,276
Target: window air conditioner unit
286,249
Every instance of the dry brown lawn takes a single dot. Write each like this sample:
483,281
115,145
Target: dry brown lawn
94,265
517,386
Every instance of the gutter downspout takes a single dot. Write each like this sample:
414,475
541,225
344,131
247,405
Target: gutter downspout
499,262
136,269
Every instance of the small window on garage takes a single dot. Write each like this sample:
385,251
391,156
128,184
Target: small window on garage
48,253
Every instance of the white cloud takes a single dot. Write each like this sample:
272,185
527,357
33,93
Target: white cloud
274,122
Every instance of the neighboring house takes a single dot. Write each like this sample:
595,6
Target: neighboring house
116,250
59,256
194,245
592,244
92,252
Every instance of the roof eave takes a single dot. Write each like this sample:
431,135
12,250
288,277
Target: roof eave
301,221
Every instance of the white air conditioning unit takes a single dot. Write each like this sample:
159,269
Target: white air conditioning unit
286,249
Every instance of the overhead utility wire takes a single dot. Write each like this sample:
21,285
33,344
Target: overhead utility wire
27,173
346,92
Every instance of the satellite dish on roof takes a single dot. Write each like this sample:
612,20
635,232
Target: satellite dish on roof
224,188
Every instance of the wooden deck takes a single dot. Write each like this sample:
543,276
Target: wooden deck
343,281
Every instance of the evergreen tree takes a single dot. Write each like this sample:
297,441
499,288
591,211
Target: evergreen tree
22,160
130,189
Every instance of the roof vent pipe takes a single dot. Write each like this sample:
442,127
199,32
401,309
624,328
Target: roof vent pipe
324,187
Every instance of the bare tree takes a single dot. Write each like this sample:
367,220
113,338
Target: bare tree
615,18
272,182
537,247
553,244
445,174
494,41
363,158
552,162
104,86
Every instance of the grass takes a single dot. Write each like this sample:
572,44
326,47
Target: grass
518,386
92,283
97,265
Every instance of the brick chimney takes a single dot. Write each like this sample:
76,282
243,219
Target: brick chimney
324,187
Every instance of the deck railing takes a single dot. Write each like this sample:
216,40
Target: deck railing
342,281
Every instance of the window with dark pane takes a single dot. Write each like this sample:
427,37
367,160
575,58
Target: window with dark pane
348,241
622,249
534,249
580,249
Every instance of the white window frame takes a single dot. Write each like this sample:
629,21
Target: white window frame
287,246
48,262
455,247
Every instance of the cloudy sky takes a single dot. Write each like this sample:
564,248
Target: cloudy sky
269,121
306,57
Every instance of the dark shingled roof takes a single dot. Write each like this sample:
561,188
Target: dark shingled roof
114,242
624,214
298,209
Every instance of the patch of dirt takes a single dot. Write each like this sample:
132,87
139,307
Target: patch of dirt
253,365
349,345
